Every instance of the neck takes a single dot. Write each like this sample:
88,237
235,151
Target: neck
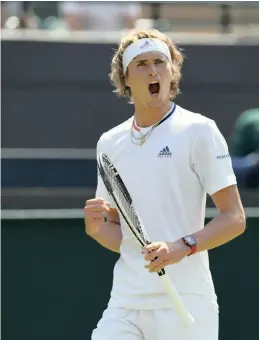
146,116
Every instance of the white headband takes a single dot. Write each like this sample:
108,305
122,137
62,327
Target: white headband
142,46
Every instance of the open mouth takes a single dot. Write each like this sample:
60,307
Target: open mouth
154,88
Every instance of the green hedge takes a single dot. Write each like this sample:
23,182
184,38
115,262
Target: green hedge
56,281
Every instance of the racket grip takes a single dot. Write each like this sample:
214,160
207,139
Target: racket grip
180,308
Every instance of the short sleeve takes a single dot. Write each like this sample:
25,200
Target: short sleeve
211,160
101,191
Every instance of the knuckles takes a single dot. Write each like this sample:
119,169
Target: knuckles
94,207
94,201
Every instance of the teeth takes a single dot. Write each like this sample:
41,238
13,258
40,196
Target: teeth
154,82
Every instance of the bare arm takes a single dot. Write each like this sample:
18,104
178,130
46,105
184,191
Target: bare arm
109,233
109,236
229,224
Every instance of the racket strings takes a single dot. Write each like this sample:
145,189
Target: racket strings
123,197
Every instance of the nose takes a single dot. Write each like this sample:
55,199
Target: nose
152,70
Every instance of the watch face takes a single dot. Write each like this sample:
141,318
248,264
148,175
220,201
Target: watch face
190,240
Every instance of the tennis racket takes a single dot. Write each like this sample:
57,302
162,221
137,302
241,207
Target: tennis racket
122,198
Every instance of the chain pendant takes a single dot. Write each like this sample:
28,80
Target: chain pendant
141,140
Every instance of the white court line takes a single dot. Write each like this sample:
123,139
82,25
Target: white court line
26,153
240,36
79,213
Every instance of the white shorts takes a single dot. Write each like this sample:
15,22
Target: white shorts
159,324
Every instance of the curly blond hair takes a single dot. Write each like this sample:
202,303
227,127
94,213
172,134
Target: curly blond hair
117,75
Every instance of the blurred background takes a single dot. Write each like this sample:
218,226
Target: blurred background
56,102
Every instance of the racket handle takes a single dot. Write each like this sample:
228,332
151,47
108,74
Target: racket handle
180,308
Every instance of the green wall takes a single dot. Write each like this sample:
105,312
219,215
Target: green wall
56,281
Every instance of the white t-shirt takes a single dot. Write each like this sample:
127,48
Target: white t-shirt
168,178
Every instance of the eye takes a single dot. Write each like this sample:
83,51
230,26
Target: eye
141,63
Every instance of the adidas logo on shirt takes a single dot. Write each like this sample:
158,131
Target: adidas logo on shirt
165,153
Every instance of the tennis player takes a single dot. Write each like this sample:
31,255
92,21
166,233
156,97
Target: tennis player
169,159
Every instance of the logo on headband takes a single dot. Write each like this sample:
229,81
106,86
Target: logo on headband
145,45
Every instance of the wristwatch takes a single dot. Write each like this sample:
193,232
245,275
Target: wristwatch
190,242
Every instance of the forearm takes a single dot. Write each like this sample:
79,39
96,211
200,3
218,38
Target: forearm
220,230
109,236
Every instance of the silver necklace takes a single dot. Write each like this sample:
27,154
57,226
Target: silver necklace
143,137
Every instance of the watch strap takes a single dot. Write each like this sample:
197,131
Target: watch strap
191,243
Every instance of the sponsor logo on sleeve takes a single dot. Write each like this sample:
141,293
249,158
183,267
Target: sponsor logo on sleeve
223,156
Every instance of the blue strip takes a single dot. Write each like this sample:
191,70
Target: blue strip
18,173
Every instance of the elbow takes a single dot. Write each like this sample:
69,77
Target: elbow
240,222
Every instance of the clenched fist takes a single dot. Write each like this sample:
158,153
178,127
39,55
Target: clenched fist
95,210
